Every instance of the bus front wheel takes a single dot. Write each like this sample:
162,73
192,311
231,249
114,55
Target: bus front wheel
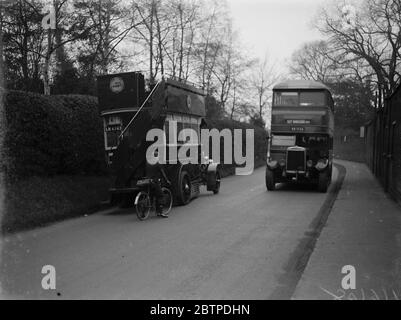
270,183
324,181
184,188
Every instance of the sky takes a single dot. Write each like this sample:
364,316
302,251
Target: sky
276,27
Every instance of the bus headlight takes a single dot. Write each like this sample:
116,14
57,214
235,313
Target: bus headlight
272,164
309,163
282,163
321,164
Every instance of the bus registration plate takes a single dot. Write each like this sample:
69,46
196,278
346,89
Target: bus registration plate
297,129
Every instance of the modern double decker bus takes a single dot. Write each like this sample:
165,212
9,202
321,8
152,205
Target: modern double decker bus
301,140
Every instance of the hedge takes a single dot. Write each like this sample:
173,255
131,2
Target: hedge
49,135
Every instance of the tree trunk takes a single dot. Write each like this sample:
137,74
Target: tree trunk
234,100
46,84
1,48
151,76
159,42
46,81
181,43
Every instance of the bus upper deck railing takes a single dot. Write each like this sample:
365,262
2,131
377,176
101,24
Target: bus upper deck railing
139,110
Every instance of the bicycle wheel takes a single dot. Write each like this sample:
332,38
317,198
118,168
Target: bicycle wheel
142,205
167,201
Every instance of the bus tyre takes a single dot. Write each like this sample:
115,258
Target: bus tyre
270,184
217,185
324,181
184,188
330,174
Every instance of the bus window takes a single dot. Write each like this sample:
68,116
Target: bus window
312,141
112,130
287,99
312,98
302,98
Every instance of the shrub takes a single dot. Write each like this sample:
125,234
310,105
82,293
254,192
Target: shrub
87,150
48,135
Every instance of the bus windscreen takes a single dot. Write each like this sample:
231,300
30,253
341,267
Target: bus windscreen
303,99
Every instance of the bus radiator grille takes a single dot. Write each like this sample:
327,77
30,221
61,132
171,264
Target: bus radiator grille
296,160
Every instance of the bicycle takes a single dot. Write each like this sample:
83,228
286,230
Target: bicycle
145,201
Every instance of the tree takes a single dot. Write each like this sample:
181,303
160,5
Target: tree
188,39
185,21
108,22
30,48
225,64
209,44
23,44
312,62
68,28
353,103
319,61
257,121
153,31
370,31
240,99
264,78
349,81
213,108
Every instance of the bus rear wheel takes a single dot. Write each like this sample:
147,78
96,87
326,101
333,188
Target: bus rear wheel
216,189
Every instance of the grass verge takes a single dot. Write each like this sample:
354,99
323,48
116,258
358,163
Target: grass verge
38,201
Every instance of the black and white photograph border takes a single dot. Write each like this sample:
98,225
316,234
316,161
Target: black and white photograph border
225,152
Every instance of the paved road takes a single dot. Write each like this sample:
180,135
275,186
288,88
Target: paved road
236,245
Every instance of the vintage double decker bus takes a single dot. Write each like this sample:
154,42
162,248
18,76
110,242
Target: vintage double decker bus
301,140
129,113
